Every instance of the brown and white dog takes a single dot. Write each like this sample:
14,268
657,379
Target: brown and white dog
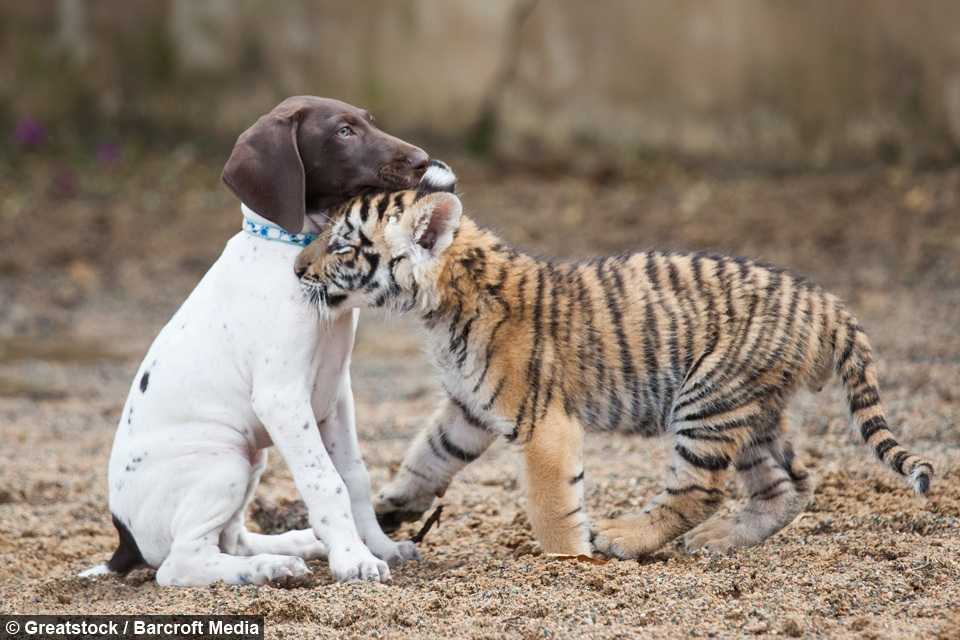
245,364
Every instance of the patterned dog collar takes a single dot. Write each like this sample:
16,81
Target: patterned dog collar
272,232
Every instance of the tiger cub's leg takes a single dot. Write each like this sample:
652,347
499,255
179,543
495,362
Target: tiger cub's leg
694,492
778,488
453,439
554,472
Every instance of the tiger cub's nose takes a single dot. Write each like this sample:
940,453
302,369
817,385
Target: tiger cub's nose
300,266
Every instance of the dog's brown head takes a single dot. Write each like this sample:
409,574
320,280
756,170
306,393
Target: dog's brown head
309,153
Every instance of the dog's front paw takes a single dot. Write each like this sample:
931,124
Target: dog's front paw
350,565
394,553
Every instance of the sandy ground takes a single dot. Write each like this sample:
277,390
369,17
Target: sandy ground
96,260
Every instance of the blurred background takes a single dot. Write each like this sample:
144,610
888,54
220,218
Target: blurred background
824,135
756,83
821,135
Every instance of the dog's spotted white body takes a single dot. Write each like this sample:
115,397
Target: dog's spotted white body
245,364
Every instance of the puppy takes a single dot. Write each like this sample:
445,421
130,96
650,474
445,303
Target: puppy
245,364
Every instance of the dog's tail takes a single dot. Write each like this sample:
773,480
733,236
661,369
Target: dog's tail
126,557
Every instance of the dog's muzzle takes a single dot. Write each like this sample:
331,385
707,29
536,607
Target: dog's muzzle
400,175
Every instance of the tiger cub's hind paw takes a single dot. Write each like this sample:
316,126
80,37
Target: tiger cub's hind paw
714,536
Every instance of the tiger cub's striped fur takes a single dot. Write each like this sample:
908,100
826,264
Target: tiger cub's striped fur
706,348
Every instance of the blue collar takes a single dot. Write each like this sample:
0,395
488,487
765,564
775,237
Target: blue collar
273,232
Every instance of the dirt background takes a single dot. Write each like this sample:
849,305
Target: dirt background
95,260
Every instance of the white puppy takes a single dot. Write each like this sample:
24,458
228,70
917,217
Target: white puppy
245,364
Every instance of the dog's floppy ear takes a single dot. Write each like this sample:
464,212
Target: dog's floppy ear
265,170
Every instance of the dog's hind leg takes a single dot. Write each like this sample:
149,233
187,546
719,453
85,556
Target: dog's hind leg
213,502
199,562
300,543
236,539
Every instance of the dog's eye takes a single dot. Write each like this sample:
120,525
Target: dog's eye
345,132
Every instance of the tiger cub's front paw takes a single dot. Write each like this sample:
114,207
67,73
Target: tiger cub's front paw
396,553
397,503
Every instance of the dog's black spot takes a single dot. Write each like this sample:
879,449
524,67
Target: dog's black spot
144,381
128,553
306,425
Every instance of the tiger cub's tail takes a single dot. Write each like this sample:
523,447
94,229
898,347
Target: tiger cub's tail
853,362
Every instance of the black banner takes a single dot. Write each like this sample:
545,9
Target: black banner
116,627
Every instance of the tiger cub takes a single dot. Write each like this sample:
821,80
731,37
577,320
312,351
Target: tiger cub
706,348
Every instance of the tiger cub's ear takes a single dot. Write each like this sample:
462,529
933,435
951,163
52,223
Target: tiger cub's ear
430,223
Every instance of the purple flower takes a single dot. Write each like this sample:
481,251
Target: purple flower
29,132
108,153
64,183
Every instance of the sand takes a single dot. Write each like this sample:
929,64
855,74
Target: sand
111,260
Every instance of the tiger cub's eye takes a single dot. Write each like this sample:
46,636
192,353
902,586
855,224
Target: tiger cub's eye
338,248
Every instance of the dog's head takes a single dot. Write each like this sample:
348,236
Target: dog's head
309,153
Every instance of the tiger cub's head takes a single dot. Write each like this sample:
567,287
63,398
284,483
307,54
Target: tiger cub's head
383,249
